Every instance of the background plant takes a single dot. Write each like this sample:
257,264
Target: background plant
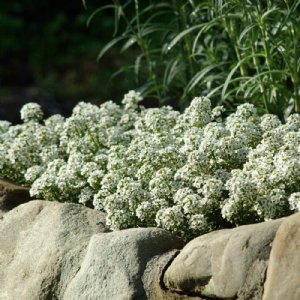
233,51
48,55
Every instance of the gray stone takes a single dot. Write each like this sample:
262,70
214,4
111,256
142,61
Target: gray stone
42,245
217,264
153,275
283,275
115,263
254,283
12,195
51,250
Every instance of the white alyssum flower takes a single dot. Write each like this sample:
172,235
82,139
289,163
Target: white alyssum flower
294,201
4,127
31,112
188,172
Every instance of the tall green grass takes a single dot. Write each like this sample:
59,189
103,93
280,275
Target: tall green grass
231,50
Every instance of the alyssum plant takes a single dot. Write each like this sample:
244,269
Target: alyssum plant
189,172
231,51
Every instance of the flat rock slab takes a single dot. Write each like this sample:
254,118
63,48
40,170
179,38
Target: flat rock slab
115,262
12,195
42,245
217,264
283,275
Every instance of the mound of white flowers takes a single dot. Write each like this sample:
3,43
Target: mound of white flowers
189,173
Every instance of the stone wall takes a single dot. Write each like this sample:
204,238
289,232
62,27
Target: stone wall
52,250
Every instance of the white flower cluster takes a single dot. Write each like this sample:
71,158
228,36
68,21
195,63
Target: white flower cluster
89,137
31,112
268,185
30,145
188,173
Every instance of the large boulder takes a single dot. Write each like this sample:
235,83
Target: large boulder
12,195
115,262
283,275
51,250
224,264
42,245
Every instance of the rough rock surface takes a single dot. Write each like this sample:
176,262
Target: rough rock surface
42,245
153,275
12,195
253,286
60,251
283,275
115,263
217,264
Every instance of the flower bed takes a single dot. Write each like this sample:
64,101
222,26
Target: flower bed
189,172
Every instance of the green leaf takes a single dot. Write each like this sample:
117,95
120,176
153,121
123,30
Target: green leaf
245,31
251,91
255,77
84,4
110,45
91,17
182,34
270,11
131,41
200,75
151,7
137,65
231,73
171,70
123,69
207,26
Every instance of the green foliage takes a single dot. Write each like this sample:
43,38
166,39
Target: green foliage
231,50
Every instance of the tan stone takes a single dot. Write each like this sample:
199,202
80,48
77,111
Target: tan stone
42,245
283,275
217,264
152,279
51,250
115,262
